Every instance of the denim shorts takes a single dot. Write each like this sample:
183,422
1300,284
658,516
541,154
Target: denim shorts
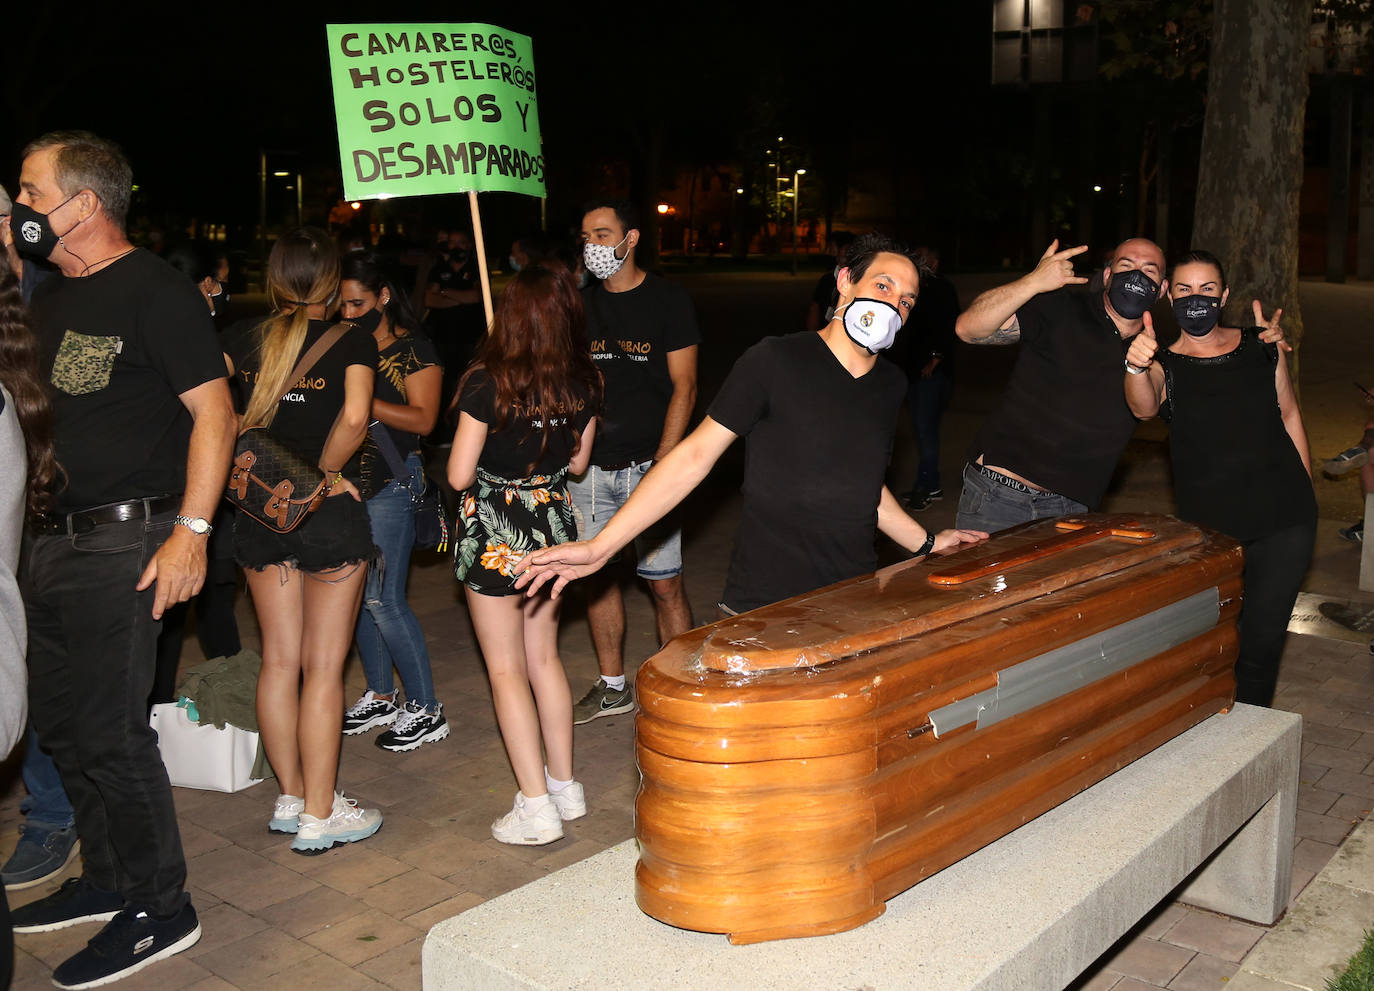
599,493
337,533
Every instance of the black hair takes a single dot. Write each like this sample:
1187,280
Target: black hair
860,254
367,268
1198,256
624,211
196,260
537,246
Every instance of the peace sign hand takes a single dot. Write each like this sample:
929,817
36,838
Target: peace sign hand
1271,332
1055,269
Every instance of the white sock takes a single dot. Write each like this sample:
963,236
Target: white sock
553,783
616,684
535,803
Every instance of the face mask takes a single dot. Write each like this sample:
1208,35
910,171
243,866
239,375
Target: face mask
1131,293
514,265
33,235
1197,315
600,259
369,321
872,324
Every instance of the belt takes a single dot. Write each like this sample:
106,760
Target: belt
86,520
627,464
1007,480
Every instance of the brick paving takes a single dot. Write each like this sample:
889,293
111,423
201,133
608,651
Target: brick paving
356,916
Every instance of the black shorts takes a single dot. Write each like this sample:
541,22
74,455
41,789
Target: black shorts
337,533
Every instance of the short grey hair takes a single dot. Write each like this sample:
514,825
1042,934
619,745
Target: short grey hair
6,204
85,161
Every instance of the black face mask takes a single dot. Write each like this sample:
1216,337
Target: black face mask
1197,315
369,321
33,235
1131,293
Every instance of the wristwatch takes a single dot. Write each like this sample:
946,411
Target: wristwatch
195,524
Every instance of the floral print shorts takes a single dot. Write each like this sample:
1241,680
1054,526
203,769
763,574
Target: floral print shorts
502,520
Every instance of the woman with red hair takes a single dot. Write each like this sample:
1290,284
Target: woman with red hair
527,414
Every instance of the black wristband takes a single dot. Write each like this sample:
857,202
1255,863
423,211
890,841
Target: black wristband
928,546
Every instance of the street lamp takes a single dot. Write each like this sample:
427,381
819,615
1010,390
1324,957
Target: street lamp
796,201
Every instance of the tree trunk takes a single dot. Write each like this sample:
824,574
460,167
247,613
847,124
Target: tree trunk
1364,253
1164,173
1251,165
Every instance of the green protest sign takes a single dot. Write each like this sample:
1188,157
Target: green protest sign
435,108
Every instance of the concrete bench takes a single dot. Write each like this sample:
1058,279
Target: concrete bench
1031,910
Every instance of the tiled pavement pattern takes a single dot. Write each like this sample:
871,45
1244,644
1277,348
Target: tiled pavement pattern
355,917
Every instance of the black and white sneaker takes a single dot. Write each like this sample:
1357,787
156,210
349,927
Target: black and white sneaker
414,726
77,901
129,942
367,713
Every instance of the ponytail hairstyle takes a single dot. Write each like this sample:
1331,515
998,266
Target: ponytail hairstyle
536,352
19,375
302,271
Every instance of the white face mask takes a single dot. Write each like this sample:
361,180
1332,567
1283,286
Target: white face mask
600,259
872,324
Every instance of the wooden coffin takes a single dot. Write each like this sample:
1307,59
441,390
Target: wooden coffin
804,762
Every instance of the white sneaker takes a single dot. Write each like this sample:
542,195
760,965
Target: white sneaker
286,814
367,713
523,827
347,823
571,802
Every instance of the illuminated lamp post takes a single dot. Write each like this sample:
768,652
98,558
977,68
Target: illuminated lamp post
796,203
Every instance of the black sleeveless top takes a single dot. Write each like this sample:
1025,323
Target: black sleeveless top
1235,467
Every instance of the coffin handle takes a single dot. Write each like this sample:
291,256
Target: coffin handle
1074,532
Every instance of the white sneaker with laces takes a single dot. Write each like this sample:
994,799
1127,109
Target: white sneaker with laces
369,712
347,823
522,826
286,814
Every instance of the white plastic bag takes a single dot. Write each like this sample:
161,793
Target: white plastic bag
202,756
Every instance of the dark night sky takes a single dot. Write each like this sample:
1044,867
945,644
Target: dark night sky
192,96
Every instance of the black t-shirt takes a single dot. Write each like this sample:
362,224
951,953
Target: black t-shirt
816,450
119,348
1235,467
306,414
510,451
402,357
456,276
631,334
930,328
1063,421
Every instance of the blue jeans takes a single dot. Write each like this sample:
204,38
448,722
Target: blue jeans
388,633
47,806
927,399
987,504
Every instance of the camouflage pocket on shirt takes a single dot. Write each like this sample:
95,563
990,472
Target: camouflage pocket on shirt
84,362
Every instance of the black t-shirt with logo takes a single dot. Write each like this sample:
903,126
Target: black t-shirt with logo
510,451
1063,421
631,334
306,414
119,348
404,356
817,446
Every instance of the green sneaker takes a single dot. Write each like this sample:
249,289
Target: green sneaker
603,700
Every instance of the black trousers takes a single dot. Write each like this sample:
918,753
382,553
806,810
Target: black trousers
1275,566
92,649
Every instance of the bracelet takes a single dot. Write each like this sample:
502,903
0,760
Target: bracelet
927,547
338,477
1132,370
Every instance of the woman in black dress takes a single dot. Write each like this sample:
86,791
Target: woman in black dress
1239,452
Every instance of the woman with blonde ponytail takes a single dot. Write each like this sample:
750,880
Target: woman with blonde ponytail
307,584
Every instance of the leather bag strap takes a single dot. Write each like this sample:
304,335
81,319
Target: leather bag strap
312,357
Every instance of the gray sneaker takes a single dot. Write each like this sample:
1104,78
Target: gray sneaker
603,700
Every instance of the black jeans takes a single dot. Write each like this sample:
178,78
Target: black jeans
92,650
1274,569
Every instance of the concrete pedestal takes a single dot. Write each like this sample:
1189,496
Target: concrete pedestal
1029,911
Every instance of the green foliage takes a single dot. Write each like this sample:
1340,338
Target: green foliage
1359,973
1168,40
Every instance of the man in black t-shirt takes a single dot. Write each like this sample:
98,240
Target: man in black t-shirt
456,320
819,411
1052,445
144,428
643,335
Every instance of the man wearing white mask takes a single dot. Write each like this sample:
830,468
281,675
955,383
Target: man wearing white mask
643,335
818,410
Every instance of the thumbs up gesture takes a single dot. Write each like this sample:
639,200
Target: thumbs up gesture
1144,345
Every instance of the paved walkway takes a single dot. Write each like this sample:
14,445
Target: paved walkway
355,917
